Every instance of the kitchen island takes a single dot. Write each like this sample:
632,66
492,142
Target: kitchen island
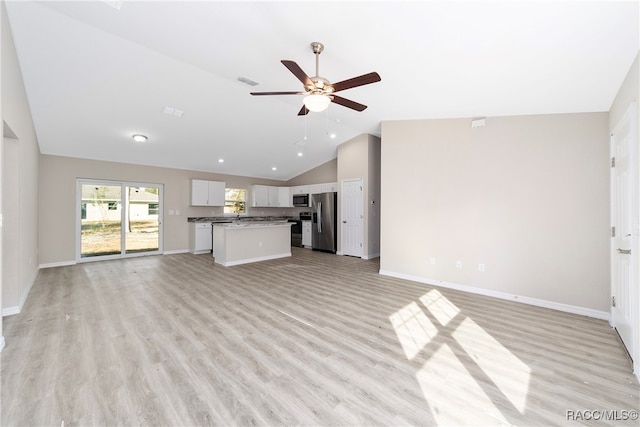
244,242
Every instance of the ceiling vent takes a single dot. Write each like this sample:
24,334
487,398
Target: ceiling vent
247,81
173,112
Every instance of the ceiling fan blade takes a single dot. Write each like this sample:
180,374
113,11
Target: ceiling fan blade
297,71
348,103
303,111
362,80
277,93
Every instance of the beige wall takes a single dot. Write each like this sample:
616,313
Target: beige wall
630,93
58,176
526,196
326,172
19,182
360,158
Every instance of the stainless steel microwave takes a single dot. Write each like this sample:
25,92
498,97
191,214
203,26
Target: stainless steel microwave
301,200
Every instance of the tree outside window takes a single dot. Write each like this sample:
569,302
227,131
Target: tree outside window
235,201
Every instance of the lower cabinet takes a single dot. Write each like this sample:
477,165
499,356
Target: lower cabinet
200,237
306,233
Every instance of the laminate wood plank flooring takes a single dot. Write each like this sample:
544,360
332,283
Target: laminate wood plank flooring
315,339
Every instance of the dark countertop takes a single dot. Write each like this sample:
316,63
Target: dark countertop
223,219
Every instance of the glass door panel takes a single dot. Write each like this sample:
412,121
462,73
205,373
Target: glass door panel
119,219
142,225
100,220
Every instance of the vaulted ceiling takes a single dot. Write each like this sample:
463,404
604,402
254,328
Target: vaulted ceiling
96,74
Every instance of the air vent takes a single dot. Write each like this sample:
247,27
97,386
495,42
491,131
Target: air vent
248,81
173,112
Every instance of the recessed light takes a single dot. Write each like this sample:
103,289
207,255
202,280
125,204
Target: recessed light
332,136
300,154
220,160
139,138
274,168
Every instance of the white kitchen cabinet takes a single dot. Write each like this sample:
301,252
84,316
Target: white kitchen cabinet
269,196
300,189
315,188
284,197
207,193
200,237
274,197
306,233
260,195
329,187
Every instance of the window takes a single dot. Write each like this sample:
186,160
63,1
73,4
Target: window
113,206
153,209
83,210
235,201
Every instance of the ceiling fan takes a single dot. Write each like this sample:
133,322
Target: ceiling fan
319,91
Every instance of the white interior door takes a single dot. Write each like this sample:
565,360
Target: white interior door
352,218
624,293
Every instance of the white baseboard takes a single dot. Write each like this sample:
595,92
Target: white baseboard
503,295
57,264
249,260
10,311
16,309
1,343
371,256
177,251
199,252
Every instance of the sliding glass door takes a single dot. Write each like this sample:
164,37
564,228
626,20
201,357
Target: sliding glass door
118,219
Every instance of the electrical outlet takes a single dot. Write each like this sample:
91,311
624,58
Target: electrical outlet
481,268
432,260
459,265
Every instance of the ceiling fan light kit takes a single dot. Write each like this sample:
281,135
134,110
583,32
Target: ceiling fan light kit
320,91
316,102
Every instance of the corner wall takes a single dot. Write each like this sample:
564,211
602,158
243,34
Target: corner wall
19,182
360,158
527,197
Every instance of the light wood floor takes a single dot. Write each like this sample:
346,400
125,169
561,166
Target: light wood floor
316,339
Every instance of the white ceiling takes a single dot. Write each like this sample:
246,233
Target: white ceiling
95,75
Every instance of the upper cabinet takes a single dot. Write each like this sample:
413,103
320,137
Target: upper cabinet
207,193
329,187
300,189
260,195
266,196
284,197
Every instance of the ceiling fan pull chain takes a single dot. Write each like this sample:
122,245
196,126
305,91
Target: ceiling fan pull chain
305,127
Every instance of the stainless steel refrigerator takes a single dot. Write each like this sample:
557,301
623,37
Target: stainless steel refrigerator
324,227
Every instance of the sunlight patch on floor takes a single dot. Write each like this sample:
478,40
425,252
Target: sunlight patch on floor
439,306
505,370
453,394
413,328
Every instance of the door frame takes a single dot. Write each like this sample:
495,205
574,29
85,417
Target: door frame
630,119
123,185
